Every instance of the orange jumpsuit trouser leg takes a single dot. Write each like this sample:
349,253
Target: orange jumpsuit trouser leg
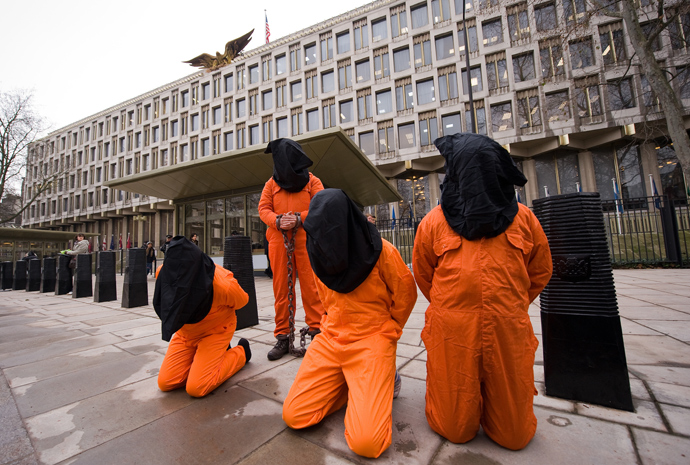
278,257
313,309
369,368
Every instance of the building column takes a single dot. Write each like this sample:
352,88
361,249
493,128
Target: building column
586,163
650,165
434,190
529,169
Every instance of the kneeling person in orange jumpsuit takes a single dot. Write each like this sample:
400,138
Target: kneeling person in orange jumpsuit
480,258
196,301
283,208
368,293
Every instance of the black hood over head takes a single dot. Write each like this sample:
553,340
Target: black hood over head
184,287
290,164
478,192
343,246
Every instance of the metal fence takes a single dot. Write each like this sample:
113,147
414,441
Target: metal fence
644,230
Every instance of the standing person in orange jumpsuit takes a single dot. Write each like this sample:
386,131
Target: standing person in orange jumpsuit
480,258
368,293
196,302
283,208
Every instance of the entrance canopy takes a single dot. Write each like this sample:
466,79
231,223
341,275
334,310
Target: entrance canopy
338,162
22,234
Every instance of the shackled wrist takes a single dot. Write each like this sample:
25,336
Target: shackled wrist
298,220
278,221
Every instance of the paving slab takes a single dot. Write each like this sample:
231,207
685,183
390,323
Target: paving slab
123,325
663,374
143,344
274,383
677,331
205,431
288,447
661,449
655,350
47,349
562,438
14,440
645,414
671,393
678,418
655,313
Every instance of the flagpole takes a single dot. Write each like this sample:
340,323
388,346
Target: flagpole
618,211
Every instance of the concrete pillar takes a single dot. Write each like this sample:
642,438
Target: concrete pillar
650,165
586,163
434,190
529,169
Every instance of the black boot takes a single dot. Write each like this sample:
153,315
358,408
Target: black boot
281,348
313,333
247,351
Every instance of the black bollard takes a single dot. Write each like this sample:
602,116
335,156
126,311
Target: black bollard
584,356
33,283
7,277
19,282
106,287
63,281
83,286
238,259
135,292
48,276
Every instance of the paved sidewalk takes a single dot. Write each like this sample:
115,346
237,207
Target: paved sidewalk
78,386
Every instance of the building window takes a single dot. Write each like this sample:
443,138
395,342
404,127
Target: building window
205,147
587,97
428,128
295,57
445,48
447,83
551,57
195,94
401,59
326,41
216,143
386,136
195,122
253,74
379,29
228,140
267,129
241,77
492,31
205,91
420,16
194,147
612,43
367,143
217,118
440,10
310,54
545,17
620,92
313,120
501,117
229,85
381,66
155,134
497,71
346,112
384,102
266,72
683,76
241,108
216,86
679,29
282,127
518,22
329,120
558,106
581,53
344,74
281,97
363,71
227,110
476,79
528,113
574,11
267,100
241,133
422,51
173,129
296,91
364,109
254,101
406,136
450,124
404,98
297,121
281,65
185,99
648,96
254,135
398,20
523,67
327,81
425,92
311,84
361,34
343,41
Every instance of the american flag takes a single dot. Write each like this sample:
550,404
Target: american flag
268,30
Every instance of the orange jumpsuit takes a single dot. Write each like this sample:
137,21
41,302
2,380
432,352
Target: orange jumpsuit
353,359
277,201
198,354
478,335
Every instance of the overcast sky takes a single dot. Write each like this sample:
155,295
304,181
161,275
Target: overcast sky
79,57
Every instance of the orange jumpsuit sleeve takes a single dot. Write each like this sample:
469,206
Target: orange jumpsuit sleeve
266,210
227,291
400,284
424,259
315,185
540,265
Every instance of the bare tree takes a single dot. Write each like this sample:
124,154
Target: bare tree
20,125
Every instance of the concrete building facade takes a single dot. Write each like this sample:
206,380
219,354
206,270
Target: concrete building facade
393,76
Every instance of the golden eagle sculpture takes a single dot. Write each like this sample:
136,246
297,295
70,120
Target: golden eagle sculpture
232,49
